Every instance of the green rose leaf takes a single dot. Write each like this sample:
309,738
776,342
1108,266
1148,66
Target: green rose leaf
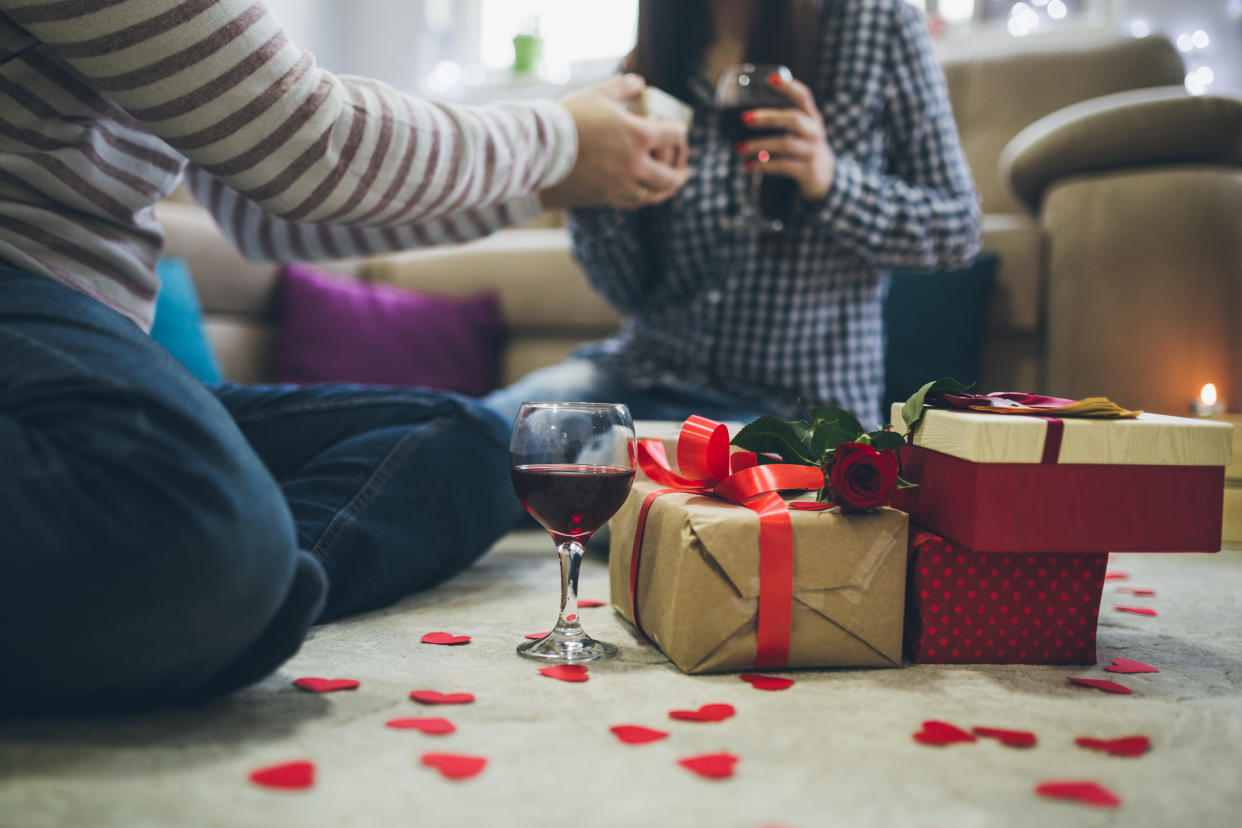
769,435
912,411
886,440
844,420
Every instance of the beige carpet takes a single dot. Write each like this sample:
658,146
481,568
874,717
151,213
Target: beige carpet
835,749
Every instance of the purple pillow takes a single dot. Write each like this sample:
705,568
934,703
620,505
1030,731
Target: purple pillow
335,329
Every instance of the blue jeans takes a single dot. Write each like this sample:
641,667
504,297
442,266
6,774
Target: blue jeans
591,376
165,542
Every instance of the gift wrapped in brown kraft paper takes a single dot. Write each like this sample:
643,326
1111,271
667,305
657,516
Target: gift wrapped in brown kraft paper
697,582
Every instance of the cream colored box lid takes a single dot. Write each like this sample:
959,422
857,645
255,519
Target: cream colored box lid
1150,440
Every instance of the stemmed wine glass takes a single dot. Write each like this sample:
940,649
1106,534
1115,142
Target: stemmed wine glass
572,468
770,199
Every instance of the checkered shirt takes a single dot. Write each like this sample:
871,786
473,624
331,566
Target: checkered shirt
797,315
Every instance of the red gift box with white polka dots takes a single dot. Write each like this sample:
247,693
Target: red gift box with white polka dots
967,607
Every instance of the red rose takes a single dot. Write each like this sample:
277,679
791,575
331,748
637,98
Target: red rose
862,478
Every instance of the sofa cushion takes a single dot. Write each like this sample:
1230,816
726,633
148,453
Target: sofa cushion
338,329
1017,240
178,324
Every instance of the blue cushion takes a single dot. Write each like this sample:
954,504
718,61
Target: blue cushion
936,321
178,322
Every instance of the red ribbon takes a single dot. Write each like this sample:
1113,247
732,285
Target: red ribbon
707,468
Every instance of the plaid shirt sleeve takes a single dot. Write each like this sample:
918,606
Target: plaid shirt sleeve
921,211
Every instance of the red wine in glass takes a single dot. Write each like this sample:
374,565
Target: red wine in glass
772,199
571,501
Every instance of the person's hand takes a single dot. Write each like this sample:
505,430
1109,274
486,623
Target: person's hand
624,160
801,152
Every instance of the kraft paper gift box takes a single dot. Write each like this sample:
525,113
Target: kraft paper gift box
1010,483
698,582
967,607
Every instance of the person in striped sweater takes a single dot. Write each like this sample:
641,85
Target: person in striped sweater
161,541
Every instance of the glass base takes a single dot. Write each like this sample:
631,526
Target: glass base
571,649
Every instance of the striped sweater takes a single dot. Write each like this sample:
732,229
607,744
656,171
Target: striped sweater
103,103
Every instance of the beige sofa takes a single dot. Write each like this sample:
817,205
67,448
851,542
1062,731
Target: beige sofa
1081,231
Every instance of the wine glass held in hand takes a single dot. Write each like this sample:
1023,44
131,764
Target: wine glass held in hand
572,467
770,200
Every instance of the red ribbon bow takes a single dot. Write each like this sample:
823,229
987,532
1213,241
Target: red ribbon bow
707,468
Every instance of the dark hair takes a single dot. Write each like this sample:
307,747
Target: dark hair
673,34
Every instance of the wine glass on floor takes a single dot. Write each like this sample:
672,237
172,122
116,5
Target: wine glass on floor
572,467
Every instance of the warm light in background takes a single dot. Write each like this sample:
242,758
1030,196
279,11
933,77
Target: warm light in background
1208,395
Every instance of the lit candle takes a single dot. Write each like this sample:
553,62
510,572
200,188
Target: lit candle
1207,405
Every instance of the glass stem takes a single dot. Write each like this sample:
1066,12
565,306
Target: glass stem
571,561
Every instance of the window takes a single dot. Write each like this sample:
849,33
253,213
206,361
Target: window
572,30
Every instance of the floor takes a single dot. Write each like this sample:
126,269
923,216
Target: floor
834,749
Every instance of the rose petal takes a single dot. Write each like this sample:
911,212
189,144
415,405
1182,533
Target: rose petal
706,713
289,776
1086,792
1116,576
445,638
323,685
1137,591
588,604
537,636
566,672
761,682
435,697
1128,746
432,727
1009,738
711,765
455,765
637,735
1137,610
941,733
1126,665
1101,684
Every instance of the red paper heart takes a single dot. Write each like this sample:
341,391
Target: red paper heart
537,636
711,765
566,672
432,727
1126,665
637,735
1088,793
706,713
1116,576
455,765
445,638
1143,591
1137,610
809,506
767,682
289,776
1128,746
323,685
584,603
1009,738
941,733
434,697
1101,684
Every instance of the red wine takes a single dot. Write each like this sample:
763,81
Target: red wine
572,501
777,194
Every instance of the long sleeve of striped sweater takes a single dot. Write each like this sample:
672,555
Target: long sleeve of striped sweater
94,93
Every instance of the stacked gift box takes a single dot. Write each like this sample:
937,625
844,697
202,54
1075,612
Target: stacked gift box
1014,517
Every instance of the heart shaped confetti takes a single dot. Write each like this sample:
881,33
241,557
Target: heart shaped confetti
584,603
711,765
323,685
434,697
1009,738
566,672
289,776
445,638
706,713
455,765
761,682
1088,793
537,636
1116,576
1136,610
941,733
1128,746
1126,665
432,727
1140,591
637,735
809,506
1101,684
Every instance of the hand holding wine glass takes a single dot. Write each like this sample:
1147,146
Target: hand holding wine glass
572,468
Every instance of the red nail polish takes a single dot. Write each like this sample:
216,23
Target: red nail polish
764,156
774,79
748,117
740,148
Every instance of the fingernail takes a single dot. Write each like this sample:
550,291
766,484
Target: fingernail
740,148
774,79
748,117
763,157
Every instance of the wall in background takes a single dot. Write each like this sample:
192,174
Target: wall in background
1208,32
